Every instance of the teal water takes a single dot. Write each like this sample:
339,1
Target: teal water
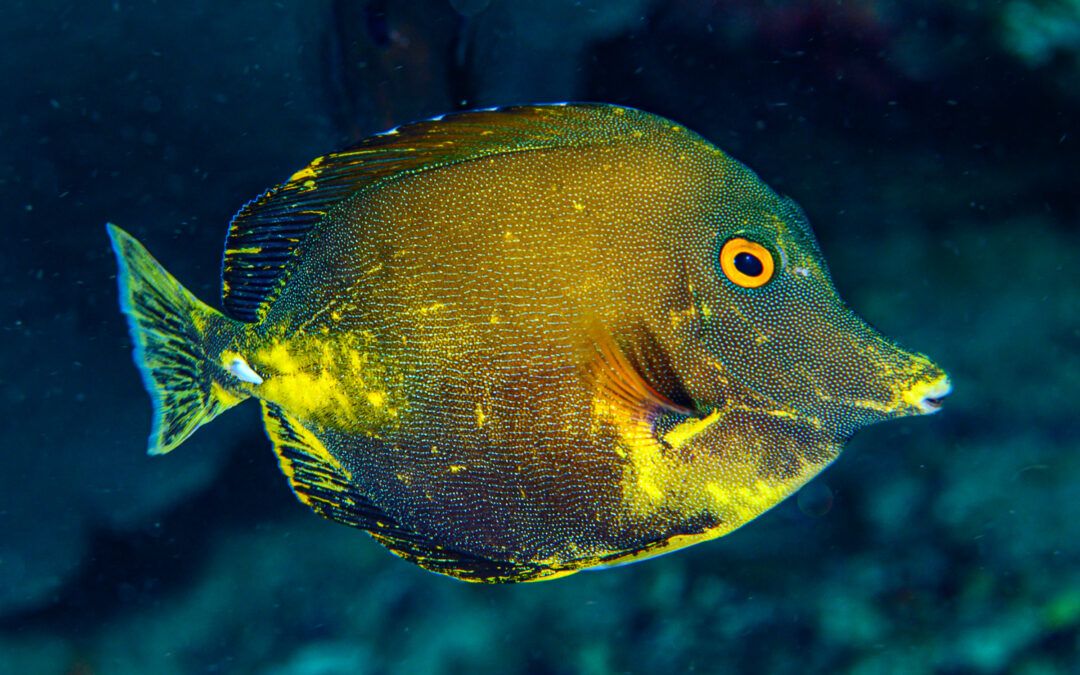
933,145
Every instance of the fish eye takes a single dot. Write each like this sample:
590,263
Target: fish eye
746,263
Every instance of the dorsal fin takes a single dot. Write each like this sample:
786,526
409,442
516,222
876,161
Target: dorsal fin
268,230
320,481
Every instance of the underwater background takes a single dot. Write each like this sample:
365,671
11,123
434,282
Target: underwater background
933,144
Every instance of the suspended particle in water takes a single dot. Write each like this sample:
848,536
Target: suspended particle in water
469,7
815,499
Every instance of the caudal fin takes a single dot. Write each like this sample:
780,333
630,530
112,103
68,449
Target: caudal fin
169,327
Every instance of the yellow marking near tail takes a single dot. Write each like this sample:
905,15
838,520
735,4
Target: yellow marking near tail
302,385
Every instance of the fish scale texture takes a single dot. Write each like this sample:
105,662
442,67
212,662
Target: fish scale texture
506,342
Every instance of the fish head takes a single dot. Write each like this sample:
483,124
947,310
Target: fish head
779,337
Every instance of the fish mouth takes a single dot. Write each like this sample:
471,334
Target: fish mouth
926,396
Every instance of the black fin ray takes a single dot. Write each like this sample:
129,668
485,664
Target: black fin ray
265,235
320,481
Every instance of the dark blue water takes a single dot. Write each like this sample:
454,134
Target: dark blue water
934,146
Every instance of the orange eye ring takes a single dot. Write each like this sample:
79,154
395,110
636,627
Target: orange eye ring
746,263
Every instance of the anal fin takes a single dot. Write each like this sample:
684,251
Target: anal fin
319,480
316,477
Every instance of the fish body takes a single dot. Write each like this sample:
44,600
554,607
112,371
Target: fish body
512,344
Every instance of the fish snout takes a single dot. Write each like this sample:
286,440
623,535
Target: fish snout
925,394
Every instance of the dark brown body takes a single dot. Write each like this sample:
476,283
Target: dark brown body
511,345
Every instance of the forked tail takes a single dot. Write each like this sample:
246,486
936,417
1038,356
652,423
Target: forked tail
170,328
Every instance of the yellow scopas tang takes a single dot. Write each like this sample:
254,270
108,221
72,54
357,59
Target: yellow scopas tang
512,344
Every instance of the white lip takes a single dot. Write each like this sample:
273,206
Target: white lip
926,397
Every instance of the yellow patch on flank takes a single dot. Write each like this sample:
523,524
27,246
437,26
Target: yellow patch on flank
357,361
376,398
277,357
690,428
337,382
302,385
480,416
707,470
429,309
647,474
732,493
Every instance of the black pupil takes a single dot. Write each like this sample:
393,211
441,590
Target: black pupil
748,264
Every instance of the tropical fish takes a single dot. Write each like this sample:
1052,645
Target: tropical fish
516,343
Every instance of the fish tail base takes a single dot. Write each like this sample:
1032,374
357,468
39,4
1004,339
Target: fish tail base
170,328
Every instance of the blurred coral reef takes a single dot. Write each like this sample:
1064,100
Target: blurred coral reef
932,144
